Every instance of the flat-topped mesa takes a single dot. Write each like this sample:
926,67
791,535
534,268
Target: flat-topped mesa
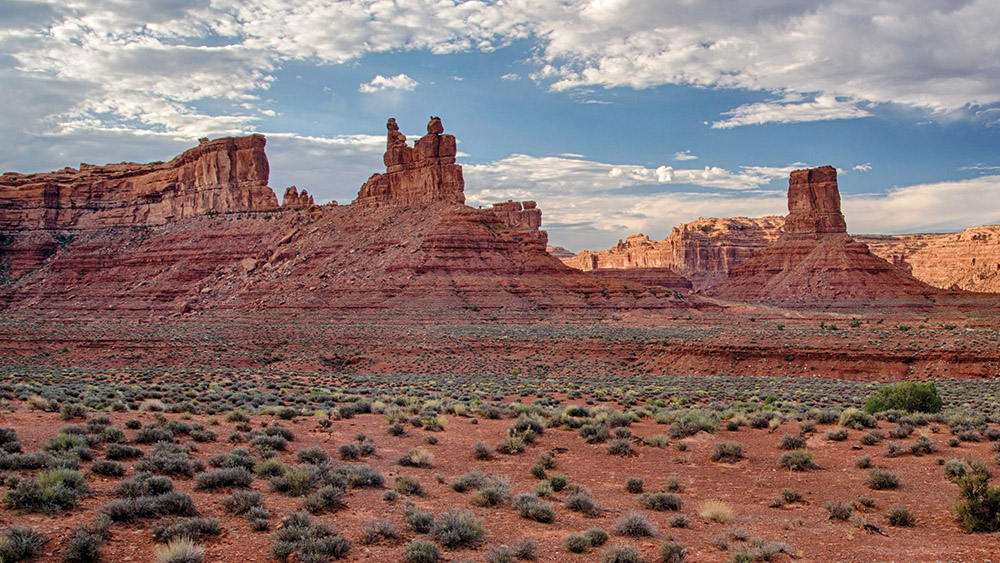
295,200
220,176
421,175
814,202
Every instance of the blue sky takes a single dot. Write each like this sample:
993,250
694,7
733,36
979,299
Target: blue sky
617,116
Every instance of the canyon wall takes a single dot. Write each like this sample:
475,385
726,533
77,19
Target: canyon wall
220,176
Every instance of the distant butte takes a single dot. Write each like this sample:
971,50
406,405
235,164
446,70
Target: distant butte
816,263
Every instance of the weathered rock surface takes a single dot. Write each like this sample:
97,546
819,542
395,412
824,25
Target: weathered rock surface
423,174
653,277
969,260
220,176
295,200
701,251
816,263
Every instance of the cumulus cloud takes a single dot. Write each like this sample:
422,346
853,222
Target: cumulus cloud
823,108
866,167
380,83
934,207
684,155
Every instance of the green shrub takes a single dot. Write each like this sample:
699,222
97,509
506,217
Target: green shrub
581,502
222,478
326,498
85,542
798,460
908,396
880,480
597,536
576,543
838,510
622,554
633,485
166,531
458,528
55,490
792,442
978,504
107,468
729,452
857,419
240,502
660,501
121,451
533,508
419,551
901,516
408,485
673,552
20,543
634,525
373,532
420,520
313,541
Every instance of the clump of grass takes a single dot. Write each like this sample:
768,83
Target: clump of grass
417,457
458,528
838,510
533,508
408,485
880,480
633,485
900,515
420,551
223,478
792,442
313,541
798,460
382,530
729,452
193,528
622,554
581,502
181,550
20,543
673,552
716,510
576,543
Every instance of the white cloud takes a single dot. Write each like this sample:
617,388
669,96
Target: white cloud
684,155
866,167
823,108
380,83
936,207
510,76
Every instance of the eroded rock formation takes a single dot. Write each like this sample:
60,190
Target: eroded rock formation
220,176
424,174
701,251
816,263
295,200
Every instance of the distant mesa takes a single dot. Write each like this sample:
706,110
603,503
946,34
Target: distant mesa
815,262
220,176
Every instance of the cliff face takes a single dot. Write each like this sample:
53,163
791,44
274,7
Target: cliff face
219,176
816,263
702,251
425,173
969,260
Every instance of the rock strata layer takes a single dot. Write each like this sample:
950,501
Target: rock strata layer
220,176
423,174
816,263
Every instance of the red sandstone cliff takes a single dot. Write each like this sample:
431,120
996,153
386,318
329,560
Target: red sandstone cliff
816,263
294,200
219,176
426,173
702,251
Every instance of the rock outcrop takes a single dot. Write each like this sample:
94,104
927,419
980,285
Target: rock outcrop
653,277
295,200
220,176
701,251
525,219
816,263
423,174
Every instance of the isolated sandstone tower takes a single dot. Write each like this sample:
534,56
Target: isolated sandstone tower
815,262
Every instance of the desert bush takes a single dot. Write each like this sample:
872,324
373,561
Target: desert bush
221,478
621,447
581,502
237,458
673,552
634,525
296,482
798,460
881,480
85,542
679,521
271,467
54,491
838,435
493,491
660,501
420,520
419,551
120,451
408,485
922,446
792,442
325,498
181,550
575,543
169,459
8,441
533,508
908,396
107,468
20,543
143,484
113,435
558,482
72,410
314,455
729,452
956,468
240,502
417,457
838,510
166,531
872,437
374,532
857,419
633,485
790,495
312,541
900,515
692,421
978,505
622,554
458,528
597,536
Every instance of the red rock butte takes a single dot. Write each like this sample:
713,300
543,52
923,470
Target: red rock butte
816,263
